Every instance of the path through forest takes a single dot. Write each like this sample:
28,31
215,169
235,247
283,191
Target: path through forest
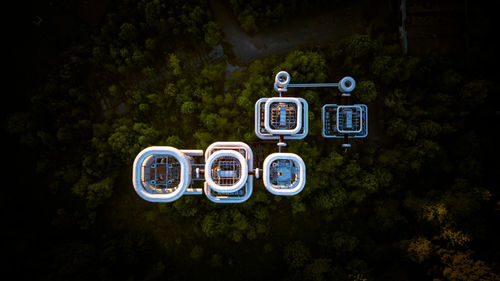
319,28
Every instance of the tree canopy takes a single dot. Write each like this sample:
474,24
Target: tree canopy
418,199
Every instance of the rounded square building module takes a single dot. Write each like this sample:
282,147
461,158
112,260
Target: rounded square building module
349,119
344,120
226,172
284,173
282,119
161,174
283,116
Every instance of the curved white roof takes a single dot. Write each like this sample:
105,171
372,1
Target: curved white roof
138,174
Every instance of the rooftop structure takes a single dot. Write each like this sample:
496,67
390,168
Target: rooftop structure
163,173
227,178
275,117
284,173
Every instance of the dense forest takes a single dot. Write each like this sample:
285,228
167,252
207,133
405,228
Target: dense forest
418,199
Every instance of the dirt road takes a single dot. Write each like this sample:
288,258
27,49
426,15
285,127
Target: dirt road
319,28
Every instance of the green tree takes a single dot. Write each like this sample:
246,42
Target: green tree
94,194
128,32
150,44
366,91
334,197
297,255
359,46
197,253
174,64
420,249
304,67
188,108
213,33
318,269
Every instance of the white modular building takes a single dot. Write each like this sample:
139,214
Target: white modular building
284,174
227,178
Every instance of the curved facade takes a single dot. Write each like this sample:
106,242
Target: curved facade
161,174
284,174
240,190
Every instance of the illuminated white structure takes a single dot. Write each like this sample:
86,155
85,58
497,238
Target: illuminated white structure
275,117
346,85
281,118
341,121
227,167
164,173
284,173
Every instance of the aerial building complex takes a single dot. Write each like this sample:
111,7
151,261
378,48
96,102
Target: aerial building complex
229,172
164,173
